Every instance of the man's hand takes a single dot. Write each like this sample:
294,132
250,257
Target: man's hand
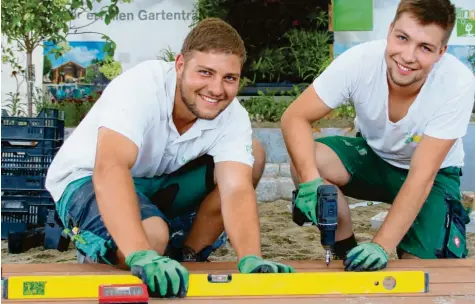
163,276
255,264
366,257
306,200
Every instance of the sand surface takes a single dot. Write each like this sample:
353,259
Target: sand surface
281,238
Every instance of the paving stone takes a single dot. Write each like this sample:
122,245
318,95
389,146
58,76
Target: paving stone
267,190
271,170
285,170
286,186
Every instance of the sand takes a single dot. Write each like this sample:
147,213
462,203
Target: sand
281,238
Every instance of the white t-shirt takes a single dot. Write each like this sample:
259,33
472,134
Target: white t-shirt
442,109
138,104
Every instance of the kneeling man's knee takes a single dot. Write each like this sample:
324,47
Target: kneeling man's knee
157,233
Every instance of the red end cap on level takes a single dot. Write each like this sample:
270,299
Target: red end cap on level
123,293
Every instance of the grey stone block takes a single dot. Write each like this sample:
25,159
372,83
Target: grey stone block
285,170
276,151
286,186
271,170
267,190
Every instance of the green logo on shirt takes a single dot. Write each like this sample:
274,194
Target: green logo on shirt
249,149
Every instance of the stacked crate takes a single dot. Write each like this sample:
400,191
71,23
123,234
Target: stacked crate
29,145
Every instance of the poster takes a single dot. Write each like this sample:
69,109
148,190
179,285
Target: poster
143,30
76,74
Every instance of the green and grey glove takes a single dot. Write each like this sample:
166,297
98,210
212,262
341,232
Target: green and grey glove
306,200
255,264
366,257
163,276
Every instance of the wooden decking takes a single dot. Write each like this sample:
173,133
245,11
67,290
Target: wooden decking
451,282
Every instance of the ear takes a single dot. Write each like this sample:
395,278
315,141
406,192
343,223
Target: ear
443,50
179,63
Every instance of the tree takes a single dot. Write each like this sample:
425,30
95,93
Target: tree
29,23
47,65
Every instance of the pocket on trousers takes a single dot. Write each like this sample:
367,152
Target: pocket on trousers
456,243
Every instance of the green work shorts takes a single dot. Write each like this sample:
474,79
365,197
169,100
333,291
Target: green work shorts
174,197
438,230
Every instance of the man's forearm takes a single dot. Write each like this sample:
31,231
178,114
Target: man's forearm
118,205
241,221
403,212
298,137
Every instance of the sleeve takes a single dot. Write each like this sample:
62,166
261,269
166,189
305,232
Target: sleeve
235,141
128,104
452,119
336,84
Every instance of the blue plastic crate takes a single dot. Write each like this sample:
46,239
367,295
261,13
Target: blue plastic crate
31,197
49,124
22,170
19,216
41,147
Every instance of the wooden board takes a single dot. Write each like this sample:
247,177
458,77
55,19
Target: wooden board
451,281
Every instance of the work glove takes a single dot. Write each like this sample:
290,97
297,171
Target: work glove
163,276
255,264
366,257
306,200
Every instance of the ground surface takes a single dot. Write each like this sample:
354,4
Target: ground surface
281,238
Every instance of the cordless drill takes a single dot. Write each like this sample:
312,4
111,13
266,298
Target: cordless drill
326,213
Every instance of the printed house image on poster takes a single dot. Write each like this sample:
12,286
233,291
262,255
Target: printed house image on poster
76,74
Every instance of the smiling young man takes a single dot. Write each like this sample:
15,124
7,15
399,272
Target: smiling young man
413,103
167,146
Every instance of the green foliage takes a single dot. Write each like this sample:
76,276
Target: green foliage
266,108
271,64
13,105
209,8
30,22
305,55
471,57
167,55
75,109
111,69
47,65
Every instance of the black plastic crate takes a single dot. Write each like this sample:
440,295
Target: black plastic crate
22,170
49,124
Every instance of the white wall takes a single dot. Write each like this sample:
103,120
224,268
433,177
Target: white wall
137,35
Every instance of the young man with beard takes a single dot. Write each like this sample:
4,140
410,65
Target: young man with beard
166,140
413,103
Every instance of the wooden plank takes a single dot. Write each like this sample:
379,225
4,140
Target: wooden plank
231,266
358,300
449,280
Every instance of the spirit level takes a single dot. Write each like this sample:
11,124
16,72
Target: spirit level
221,285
